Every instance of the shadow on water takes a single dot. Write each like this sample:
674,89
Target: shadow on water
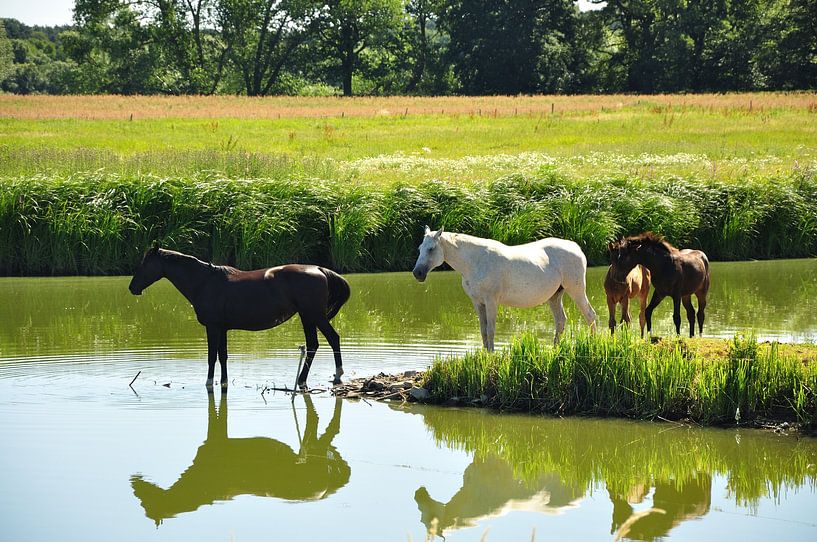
657,476
225,467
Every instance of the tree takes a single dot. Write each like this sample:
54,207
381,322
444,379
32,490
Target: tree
350,26
262,36
6,55
512,46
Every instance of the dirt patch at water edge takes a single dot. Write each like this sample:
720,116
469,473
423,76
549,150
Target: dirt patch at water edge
405,386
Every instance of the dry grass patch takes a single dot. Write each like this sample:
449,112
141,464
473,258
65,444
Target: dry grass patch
274,107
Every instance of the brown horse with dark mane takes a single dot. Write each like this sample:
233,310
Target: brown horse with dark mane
675,273
227,298
636,284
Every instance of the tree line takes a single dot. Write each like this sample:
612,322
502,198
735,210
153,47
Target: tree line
431,47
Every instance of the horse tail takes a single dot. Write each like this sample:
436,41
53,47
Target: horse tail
339,292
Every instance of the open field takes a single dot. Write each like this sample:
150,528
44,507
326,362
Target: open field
275,107
351,183
719,137
626,376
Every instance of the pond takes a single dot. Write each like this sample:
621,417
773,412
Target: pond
85,456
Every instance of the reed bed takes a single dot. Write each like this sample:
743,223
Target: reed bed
99,223
628,377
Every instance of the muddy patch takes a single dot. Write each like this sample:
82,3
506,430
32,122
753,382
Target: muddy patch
406,386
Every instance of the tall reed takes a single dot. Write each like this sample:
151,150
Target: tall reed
99,223
625,376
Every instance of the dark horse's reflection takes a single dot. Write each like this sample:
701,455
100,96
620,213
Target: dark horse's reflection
227,467
489,489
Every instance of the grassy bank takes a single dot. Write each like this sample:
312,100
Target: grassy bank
625,376
100,223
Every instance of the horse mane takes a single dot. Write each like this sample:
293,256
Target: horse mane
172,255
650,240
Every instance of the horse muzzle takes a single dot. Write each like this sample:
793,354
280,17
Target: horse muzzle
420,274
135,290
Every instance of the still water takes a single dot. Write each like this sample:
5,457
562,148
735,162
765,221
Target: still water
83,456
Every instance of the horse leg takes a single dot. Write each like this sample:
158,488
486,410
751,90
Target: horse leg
676,313
483,322
490,324
687,301
625,310
656,299
701,306
311,337
642,309
213,341
333,339
611,308
559,316
222,358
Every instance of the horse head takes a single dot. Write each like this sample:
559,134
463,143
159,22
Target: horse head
624,256
148,271
431,254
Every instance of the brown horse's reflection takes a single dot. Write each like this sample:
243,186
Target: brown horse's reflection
491,489
673,502
227,467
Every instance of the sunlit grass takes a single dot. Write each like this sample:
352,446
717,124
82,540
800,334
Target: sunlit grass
626,376
636,141
274,107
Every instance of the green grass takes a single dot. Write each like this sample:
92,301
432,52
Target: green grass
721,143
628,377
82,195
100,223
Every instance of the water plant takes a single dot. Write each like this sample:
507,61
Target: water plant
625,376
99,223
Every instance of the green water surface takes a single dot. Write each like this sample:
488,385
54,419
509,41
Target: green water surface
86,457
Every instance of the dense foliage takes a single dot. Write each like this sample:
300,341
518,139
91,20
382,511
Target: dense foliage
100,223
262,47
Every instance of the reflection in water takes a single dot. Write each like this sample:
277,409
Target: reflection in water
225,467
672,503
490,489
657,476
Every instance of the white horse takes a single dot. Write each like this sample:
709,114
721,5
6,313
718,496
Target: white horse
495,274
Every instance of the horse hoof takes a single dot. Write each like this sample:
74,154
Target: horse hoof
336,381
209,384
224,384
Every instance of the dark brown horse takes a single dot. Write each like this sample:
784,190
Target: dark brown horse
675,273
226,298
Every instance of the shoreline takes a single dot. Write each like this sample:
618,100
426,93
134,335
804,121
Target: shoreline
727,406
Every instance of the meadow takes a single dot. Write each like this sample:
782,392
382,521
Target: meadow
90,181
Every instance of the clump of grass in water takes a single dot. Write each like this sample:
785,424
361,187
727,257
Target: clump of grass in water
625,376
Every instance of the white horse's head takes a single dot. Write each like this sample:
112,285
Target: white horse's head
431,254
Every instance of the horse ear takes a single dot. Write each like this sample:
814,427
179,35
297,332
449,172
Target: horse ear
438,234
156,246
428,230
